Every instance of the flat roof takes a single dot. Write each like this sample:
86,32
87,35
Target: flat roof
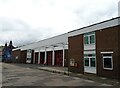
94,27
95,24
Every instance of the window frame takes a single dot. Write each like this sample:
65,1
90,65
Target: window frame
85,61
89,58
89,40
86,42
110,57
91,61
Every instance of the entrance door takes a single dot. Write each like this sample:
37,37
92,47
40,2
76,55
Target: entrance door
90,63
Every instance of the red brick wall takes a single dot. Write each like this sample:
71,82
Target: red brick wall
23,56
16,53
107,40
119,52
75,52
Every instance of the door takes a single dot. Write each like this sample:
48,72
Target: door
36,58
49,57
90,63
42,56
59,58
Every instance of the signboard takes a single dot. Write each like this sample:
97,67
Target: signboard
29,53
72,62
29,56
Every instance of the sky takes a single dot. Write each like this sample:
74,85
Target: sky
28,21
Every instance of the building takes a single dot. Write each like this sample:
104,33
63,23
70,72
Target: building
1,47
51,51
93,49
96,49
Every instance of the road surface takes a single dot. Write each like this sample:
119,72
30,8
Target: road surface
18,75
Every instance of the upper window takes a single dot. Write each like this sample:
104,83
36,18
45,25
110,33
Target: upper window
86,40
92,39
107,61
89,38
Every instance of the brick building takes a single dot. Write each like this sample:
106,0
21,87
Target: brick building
51,51
93,49
96,49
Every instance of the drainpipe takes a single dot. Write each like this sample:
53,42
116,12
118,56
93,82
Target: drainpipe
63,55
53,57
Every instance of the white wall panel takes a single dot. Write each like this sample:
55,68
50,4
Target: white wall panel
89,47
90,52
90,69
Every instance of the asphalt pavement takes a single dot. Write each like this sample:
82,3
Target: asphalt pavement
34,75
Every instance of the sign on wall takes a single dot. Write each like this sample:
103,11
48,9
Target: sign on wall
72,62
29,53
29,56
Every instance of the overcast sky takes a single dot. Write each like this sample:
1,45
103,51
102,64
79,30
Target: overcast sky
26,21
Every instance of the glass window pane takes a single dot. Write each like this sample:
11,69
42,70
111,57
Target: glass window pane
92,61
86,40
92,39
85,55
93,54
89,33
107,63
86,61
107,55
90,55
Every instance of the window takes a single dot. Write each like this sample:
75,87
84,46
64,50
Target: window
89,60
92,39
89,38
107,61
86,40
86,61
28,58
92,61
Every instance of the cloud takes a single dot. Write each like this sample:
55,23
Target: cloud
26,21
18,31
